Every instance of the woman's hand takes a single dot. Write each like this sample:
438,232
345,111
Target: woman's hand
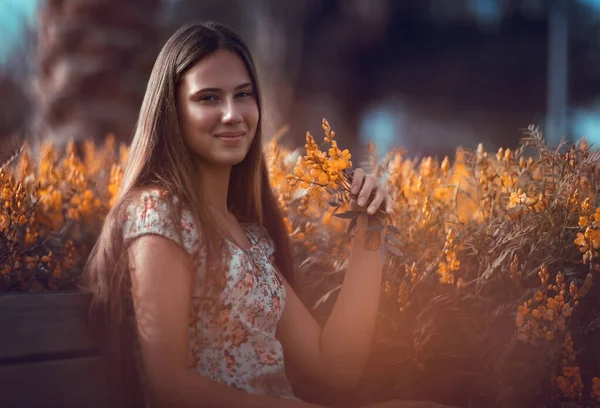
369,192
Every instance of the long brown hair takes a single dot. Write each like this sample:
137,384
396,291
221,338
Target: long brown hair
159,157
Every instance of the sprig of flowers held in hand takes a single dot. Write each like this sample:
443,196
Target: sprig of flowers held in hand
350,191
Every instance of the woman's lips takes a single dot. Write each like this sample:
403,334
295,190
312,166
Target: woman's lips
230,136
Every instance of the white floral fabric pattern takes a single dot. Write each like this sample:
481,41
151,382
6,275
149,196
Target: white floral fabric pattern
235,342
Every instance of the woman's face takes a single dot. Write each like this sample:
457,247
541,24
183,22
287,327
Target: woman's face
217,109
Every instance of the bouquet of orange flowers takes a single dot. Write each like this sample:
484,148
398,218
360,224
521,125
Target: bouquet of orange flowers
331,173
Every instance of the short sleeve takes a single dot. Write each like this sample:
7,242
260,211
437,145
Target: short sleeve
150,214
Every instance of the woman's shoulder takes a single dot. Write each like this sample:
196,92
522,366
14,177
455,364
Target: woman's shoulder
151,193
149,202
154,210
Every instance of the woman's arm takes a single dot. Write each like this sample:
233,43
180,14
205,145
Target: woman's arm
336,354
161,274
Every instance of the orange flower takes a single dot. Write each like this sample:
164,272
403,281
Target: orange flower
596,389
594,236
57,271
580,240
596,215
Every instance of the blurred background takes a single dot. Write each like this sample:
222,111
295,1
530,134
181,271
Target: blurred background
425,75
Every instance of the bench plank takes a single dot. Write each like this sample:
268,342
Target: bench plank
71,383
36,324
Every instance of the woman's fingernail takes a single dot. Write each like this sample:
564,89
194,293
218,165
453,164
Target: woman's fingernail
362,201
371,210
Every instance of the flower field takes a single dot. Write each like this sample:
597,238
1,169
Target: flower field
490,295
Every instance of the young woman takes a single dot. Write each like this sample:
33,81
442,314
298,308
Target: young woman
191,274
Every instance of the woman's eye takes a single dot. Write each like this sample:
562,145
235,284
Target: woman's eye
208,98
245,94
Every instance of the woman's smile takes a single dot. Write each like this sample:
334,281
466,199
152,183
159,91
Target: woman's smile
231,138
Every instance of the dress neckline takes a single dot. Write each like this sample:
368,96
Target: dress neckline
247,227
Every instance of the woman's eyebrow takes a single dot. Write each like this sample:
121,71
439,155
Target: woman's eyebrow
207,90
217,90
245,85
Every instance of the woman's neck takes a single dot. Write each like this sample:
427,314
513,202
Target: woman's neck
215,185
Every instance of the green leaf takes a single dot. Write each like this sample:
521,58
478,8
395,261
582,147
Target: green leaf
393,250
351,227
375,228
393,239
394,229
347,215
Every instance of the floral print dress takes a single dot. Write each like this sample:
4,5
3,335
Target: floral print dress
235,342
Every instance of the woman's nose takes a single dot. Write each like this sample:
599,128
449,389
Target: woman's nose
231,113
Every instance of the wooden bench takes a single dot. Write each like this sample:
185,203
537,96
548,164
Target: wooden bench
48,358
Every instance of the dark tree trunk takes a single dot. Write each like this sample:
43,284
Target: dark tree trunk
94,59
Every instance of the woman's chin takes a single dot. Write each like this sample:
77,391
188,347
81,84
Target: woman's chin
222,159
230,159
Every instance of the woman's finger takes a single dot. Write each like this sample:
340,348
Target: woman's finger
357,181
377,200
365,191
389,208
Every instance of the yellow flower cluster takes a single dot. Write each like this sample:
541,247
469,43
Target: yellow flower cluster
83,201
503,176
546,313
277,163
116,177
13,212
595,393
518,198
403,297
447,269
519,203
493,179
318,167
425,196
314,175
588,241
38,198
569,382
573,201
515,269
412,277
279,166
